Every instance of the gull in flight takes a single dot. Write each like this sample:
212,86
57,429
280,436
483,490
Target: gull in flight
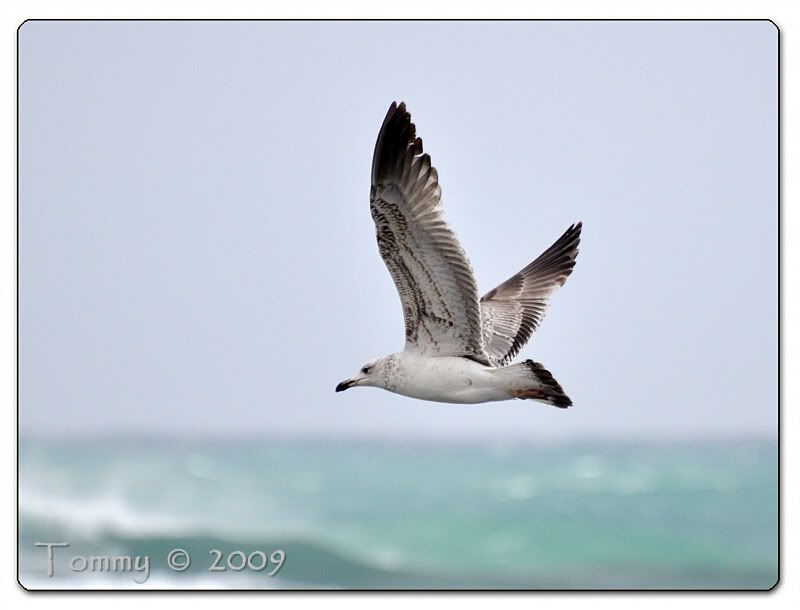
459,348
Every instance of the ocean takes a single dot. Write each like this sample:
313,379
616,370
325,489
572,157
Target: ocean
398,515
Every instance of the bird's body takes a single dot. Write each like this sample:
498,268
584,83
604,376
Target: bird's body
457,380
444,379
458,347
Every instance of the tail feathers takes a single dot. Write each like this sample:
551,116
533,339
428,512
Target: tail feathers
545,388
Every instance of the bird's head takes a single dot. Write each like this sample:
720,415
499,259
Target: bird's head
371,373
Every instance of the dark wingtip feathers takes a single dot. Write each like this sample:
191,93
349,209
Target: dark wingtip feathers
559,259
397,135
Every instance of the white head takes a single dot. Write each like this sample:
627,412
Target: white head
373,373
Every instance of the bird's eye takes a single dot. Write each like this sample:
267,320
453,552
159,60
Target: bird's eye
365,370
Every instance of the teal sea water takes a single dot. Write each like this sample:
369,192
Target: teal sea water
396,514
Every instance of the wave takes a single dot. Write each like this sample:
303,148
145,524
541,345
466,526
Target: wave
93,525
312,565
596,518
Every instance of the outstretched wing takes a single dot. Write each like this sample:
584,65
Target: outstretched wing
513,310
436,285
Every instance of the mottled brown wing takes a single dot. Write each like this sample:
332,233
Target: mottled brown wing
513,310
433,277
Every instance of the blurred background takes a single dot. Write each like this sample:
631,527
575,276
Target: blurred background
198,269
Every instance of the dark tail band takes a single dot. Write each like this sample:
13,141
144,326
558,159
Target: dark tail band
551,392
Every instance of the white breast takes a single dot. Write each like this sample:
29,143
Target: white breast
447,379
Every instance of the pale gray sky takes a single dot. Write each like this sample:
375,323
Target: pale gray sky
197,254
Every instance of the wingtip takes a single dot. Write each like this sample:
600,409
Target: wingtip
573,234
578,232
397,108
397,113
576,237
396,138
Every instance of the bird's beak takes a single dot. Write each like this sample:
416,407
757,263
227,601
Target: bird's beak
347,383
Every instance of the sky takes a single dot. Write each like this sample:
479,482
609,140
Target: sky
197,257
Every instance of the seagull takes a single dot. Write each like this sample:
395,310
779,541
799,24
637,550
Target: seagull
458,348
